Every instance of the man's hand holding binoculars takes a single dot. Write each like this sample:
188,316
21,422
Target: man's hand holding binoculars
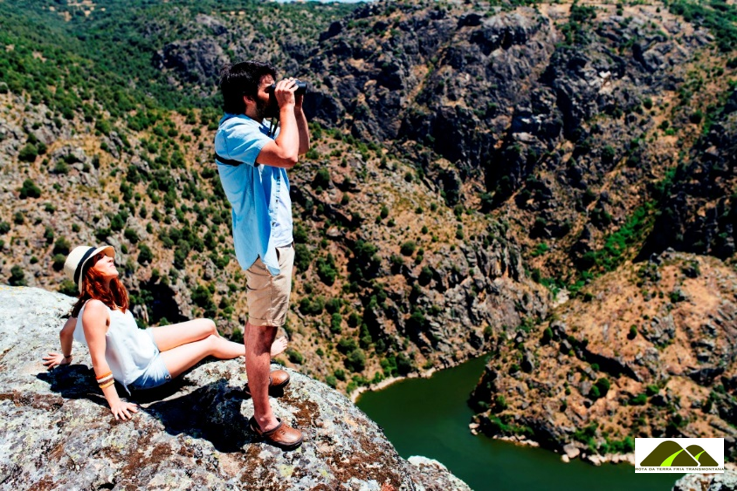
287,92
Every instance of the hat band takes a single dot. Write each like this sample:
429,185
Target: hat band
78,271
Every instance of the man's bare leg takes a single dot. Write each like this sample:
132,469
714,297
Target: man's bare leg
258,366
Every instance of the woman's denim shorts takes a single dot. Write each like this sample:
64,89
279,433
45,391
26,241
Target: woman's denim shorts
155,375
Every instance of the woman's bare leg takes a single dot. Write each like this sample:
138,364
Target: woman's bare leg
174,335
179,359
278,346
168,337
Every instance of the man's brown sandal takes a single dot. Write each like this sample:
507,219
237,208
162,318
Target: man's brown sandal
283,436
278,379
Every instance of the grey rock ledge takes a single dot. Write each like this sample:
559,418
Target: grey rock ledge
56,431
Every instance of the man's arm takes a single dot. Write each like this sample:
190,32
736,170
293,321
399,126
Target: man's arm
284,150
302,128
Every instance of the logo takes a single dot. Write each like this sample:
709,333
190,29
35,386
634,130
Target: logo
679,455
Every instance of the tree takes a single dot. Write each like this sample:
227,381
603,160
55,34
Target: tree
145,255
17,276
356,360
408,248
61,246
28,153
30,190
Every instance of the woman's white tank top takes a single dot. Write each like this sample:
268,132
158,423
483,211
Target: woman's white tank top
128,350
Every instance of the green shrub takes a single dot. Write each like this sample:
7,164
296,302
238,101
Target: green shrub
236,336
145,255
408,248
61,246
117,223
295,356
322,179
28,153
61,167
333,305
500,403
302,257
326,269
639,400
102,233
58,262
314,306
17,276
336,323
346,345
131,235
425,276
633,332
353,319
30,190
202,297
4,228
49,235
603,385
356,360
67,287
404,364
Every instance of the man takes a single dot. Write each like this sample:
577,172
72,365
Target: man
252,161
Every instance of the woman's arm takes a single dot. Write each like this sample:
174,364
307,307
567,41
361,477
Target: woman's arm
66,336
95,322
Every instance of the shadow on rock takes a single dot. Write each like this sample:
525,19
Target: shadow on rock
212,412
74,382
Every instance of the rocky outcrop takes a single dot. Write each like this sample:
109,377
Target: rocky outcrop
708,482
648,351
700,210
57,431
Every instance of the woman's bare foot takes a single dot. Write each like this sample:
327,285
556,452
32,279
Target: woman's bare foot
278,346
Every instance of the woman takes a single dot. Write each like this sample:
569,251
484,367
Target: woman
140,359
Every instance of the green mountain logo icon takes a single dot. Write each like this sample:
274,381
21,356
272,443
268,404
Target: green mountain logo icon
671,454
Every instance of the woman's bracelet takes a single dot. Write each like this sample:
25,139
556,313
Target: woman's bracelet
66,357
106,380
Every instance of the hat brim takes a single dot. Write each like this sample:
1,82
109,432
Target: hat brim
108,250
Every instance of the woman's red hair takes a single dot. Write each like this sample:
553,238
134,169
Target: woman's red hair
93,287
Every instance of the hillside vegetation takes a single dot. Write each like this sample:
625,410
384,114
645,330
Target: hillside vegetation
475,165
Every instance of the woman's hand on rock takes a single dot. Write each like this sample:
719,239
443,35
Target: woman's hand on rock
123,410
53,360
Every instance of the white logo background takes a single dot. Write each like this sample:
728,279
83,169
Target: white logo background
712,446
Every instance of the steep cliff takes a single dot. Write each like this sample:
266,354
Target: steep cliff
391,277
648,351
56,430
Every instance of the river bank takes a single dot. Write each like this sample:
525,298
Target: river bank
356,394
429,416
570,452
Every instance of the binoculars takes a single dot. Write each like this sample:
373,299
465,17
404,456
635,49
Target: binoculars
301,87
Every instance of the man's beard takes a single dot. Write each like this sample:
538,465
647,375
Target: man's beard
268,109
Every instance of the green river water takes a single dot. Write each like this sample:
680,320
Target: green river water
430,417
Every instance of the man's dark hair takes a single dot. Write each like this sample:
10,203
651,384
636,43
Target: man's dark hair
242,79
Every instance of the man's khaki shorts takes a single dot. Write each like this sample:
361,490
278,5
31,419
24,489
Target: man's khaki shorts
267,295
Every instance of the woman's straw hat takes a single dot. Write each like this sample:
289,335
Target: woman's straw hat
76,260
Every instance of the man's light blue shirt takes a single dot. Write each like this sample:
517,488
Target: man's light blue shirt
258,194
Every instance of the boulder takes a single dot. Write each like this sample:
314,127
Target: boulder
711,482
56,430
